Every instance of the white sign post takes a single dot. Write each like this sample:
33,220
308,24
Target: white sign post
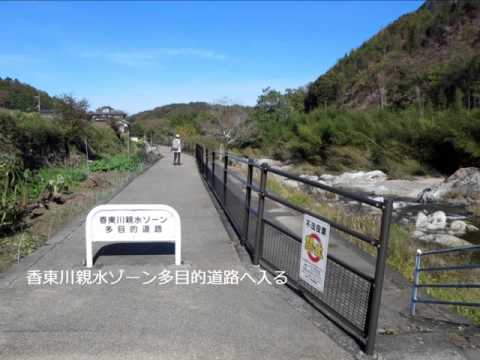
313,255
133,223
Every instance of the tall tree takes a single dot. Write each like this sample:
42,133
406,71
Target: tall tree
74,117
226,123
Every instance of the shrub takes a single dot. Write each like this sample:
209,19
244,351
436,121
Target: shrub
103,140
11,192
62,178
116,163
400,143
37,140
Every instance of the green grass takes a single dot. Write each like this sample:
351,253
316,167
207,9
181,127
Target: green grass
117,163
69,177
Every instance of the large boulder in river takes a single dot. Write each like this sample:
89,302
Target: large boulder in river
458,227
463,187
434,222
293,184
351,178
434,228
422,221
437,221
269,162
443,239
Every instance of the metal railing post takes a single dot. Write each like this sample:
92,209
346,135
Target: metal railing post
225,177
258,250
376,298
200,158
248,199
201,152
197,157
203,160
206,165
416,278
213,171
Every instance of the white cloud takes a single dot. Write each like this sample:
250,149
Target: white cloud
151,56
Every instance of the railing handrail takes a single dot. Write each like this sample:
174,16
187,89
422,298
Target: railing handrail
360,198
419,269
306,181
449,250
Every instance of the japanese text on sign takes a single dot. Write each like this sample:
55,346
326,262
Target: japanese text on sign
313,255
133,223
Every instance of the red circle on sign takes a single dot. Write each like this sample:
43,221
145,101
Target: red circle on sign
314,258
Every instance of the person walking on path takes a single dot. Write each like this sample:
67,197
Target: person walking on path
177,149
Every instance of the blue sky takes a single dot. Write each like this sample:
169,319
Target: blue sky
138,55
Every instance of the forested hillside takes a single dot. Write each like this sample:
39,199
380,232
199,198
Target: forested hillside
194,120
429,58
16,95
163,112
163,121
407,101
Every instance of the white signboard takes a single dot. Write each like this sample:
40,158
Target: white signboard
133,223
313,255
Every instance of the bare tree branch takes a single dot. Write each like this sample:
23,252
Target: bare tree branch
227,123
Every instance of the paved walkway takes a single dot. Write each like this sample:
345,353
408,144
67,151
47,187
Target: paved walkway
133,321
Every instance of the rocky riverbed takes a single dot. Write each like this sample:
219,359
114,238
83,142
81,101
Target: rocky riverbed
438,209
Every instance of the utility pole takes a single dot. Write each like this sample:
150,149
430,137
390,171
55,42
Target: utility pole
128,142
86,156
39,105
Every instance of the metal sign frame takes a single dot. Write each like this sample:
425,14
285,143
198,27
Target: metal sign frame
91,236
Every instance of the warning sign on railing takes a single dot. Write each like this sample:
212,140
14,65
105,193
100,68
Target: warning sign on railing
313,256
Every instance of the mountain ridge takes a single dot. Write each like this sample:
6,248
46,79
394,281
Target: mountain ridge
425,58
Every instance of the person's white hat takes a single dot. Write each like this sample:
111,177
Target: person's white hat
177,136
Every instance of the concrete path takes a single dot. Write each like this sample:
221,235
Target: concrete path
134,321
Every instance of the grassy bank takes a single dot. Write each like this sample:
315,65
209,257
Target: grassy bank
51,197
44,222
